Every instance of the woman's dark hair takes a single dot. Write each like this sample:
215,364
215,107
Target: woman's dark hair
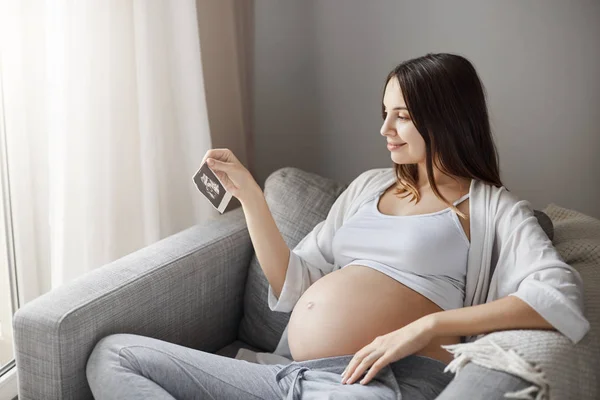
447,105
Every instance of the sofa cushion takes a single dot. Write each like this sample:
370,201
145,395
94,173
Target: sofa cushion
545,222
232,348
298,201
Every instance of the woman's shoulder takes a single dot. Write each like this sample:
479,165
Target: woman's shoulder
509,209
499,194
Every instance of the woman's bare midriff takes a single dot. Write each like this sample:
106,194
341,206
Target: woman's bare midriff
347,309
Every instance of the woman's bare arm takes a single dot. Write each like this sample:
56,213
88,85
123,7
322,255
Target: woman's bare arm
271,250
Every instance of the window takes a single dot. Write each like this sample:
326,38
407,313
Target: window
6,303
8,294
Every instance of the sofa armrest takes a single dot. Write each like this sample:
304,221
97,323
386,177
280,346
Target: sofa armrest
186,289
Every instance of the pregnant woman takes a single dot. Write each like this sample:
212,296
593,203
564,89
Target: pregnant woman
409,259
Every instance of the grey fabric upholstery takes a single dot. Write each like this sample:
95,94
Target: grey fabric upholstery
232,348
545,222
186,289
201,288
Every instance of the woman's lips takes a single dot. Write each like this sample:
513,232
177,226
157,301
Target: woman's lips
392,147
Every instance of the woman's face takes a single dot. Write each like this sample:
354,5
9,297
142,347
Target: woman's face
398,127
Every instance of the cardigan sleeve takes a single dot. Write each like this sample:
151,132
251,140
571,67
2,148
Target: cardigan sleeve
313,258
531,268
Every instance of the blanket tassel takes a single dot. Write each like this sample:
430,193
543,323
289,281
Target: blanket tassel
489,354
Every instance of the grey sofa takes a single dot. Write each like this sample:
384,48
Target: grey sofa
201,288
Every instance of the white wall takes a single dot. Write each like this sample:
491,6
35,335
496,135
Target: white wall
319,69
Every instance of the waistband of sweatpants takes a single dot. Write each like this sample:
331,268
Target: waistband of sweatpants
297,369
417,365
415,362
332,363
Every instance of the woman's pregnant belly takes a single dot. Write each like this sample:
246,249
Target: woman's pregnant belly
347,309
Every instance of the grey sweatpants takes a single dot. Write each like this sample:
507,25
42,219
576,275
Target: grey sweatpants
128,366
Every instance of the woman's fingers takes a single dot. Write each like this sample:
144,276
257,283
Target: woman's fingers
225,172
359,365
375,368
219,165
349,371
359,371
225,155
233,175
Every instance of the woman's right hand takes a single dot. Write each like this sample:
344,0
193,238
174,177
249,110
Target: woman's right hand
236,179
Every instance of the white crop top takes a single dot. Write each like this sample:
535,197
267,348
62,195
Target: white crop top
426,252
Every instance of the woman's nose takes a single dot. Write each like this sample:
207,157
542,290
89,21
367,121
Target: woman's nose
386,128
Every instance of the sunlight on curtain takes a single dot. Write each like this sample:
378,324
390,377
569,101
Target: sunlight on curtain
106,123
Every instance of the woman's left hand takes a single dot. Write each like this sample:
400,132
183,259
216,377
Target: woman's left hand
389,348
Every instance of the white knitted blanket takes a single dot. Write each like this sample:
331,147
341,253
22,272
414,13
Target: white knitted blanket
556,368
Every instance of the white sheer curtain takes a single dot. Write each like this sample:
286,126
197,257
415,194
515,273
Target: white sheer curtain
106,123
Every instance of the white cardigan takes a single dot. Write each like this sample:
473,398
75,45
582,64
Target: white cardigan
509,255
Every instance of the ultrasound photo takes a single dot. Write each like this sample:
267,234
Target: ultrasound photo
211,187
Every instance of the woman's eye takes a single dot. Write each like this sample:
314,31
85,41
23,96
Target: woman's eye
401,117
